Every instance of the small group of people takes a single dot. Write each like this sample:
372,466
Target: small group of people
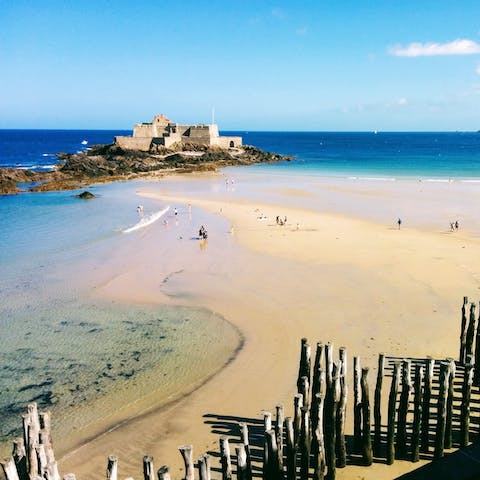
202,233
454,226
140,210
280,221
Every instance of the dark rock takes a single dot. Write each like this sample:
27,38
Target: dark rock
85,195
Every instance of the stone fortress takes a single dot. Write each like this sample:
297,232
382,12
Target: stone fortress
162,131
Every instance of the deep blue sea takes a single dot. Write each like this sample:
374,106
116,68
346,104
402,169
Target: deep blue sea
437,155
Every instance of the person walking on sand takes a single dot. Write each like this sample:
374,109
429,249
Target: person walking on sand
456,225
399,223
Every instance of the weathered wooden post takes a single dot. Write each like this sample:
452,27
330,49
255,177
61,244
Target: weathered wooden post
20,458
318,443
305,443
163,473
148,471
225,458
330,410
280,418
463,331
317,368
320,387
328,364
267,425
305,359
417,413
187,454
377,412
246,445
112,467
403,410
291,449
470,332
441,410
367,453
427,396
69,476
241,463
341,449
305,391
297,419
476,371
357,406
272,469
392,408
202,468
449,413
465,407
9,469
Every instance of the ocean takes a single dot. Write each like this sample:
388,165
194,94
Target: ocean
52,245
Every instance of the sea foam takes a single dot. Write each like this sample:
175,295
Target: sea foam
145,221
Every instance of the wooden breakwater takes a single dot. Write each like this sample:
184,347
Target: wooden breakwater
420,407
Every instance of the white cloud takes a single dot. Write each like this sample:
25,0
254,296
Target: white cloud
278,13
457,47
301,31
402,101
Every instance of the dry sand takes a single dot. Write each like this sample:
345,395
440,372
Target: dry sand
345,278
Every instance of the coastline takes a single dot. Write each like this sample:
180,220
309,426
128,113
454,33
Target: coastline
398,290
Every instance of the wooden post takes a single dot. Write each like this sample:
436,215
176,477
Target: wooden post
417,413
279,434
465,407
9,469
332,397
187,454
320,387
377,412
69,476
51,472
449,413
427,395
463,331
441,410
357,406
225,458
148,470
246,445
163,473
403,410
328,364
41,459
112,467
305,443
392,408
297,419
291,449
202,468
470,332
241,463
318,444
20,458
206,457
317,368
272,470
267,425
305,391
341,449
366,436
476,371
305,359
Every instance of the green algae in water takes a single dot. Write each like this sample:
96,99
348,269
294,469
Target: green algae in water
85,362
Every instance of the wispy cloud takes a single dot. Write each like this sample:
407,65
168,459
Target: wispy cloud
278,13
302,32
478,69
457,47
402,102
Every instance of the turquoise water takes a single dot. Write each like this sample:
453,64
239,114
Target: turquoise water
79,356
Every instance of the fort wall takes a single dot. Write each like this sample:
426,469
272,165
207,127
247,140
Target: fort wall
133,143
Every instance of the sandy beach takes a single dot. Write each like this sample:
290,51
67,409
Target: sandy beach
338,271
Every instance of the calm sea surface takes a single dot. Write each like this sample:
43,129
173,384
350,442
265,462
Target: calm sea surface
64,350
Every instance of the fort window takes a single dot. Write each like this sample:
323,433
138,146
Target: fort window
232,144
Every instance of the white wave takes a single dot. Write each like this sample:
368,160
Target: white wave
84,142
470,181
438,180
48,167
378,179
145,221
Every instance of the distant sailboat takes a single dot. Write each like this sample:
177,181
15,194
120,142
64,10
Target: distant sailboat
375,132
84,142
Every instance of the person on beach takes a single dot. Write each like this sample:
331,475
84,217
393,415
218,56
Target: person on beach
175,211
456,225
399,223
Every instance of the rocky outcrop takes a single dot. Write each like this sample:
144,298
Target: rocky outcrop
103,163
86,195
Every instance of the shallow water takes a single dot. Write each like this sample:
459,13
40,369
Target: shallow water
85,358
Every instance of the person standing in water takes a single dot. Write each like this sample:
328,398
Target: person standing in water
399,223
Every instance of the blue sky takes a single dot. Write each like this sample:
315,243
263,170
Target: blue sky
264,65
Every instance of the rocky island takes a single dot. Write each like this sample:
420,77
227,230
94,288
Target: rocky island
155,149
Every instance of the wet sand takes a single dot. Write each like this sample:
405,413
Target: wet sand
330,274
